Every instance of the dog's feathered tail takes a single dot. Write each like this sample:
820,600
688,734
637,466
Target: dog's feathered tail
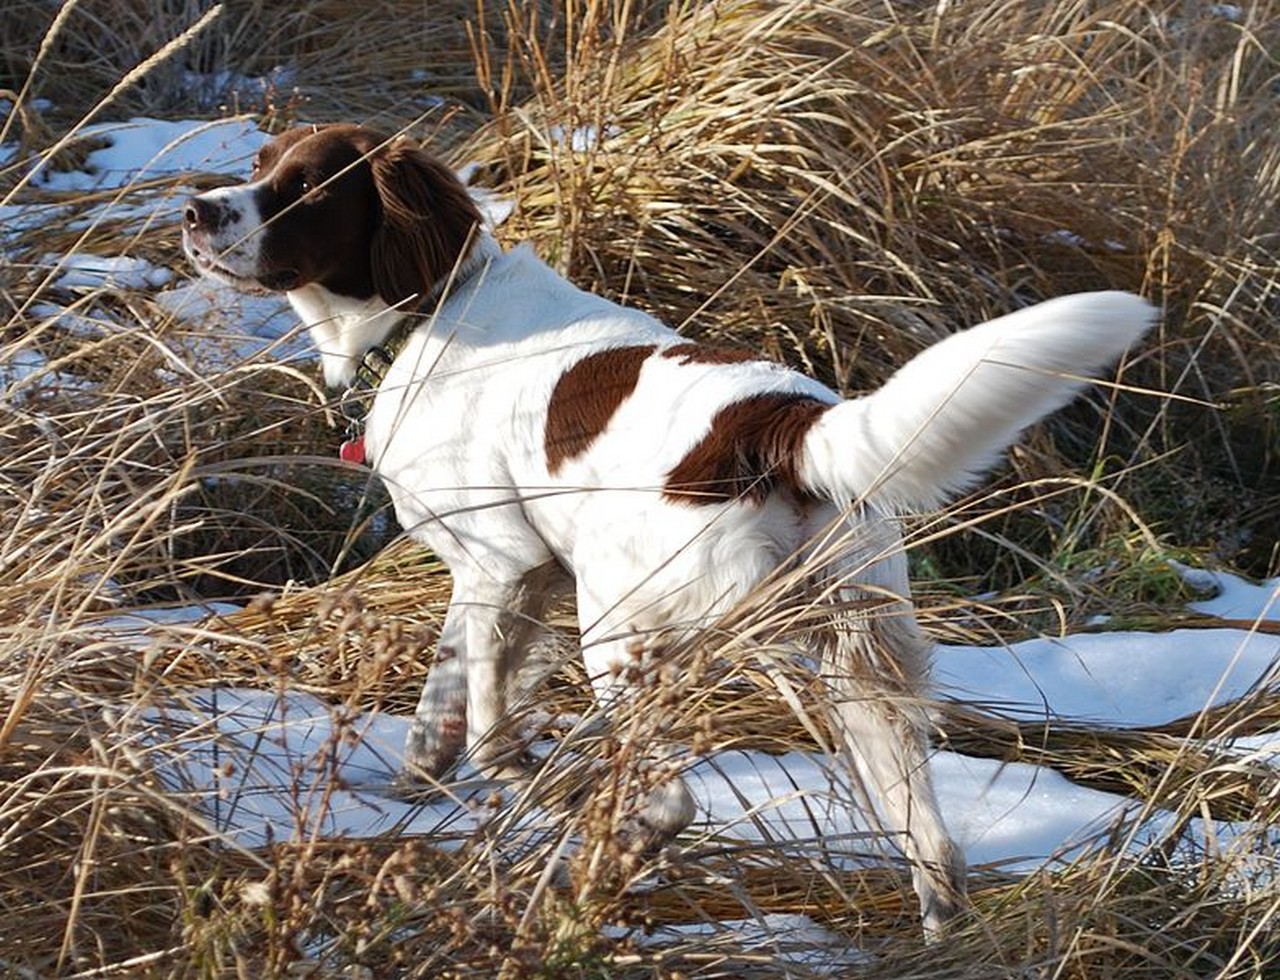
949,413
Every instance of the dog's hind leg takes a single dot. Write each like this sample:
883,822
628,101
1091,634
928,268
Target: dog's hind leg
883,731
659,804
874,665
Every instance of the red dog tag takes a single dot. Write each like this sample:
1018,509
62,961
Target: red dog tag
352,451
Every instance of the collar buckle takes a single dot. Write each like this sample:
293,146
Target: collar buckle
354,402
374,365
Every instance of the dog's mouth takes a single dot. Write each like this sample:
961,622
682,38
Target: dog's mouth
207,264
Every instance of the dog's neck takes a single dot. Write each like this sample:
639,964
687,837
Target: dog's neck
344,328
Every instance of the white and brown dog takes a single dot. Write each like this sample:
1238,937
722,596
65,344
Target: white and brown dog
527,428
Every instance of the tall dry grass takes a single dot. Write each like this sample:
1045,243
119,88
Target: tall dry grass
838,184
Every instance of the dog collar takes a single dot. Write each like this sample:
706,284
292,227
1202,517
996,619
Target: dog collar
353,404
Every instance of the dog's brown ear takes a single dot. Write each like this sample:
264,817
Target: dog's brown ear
427,223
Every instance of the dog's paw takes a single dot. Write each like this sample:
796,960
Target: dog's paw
432,767
432,748
944,894
515,764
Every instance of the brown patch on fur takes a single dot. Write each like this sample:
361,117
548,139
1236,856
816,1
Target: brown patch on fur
427,222
585,398
702,354
752,448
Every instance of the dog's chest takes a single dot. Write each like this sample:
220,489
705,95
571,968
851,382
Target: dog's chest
449,422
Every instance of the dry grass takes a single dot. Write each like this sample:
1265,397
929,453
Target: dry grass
837,184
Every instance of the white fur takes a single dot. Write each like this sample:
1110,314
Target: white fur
236,249
457,429
942,420
342,329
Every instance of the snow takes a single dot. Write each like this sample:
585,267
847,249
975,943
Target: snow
583,138
134,151
1126,678
1130,679
290,767
1011,814
137,627
1071,239
1227,11
287,766
145,148
304,768
1235,598
20,366
236,325
24,372
494,208
90,324
90,272
214,88
784,937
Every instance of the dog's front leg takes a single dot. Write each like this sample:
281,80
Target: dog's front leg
464,698
487,682
439,728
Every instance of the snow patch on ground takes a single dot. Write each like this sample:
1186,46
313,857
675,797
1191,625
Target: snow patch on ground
1232,597
273,766
235,326
90,272
142,149
290,767
1124,678
783,937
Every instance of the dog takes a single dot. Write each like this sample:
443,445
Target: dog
528,430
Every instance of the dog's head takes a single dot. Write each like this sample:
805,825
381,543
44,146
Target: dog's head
343,207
